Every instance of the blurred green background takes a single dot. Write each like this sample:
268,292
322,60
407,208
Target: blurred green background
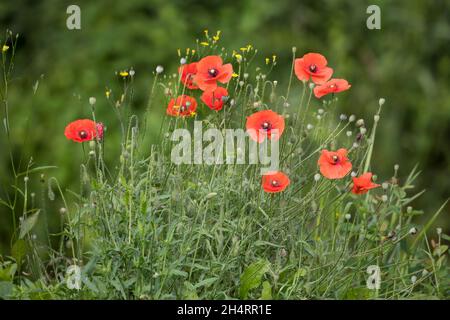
407,62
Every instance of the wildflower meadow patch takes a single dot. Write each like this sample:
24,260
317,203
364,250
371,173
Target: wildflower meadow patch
255,190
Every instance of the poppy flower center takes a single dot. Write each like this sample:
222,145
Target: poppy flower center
313,68
213,72
335,159
275,183
266,125
83,134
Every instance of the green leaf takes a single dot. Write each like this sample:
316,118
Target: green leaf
266,293
19,250
251,278
357,294
189,292
206,282
6,288
28,224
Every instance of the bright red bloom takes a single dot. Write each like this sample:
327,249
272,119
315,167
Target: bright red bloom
314,66
182,106
261,124
215,99
273,182
83,130
188,72
334,165
211,69
331,86
363,183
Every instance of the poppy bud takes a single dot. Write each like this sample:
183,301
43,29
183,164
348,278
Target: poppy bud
275,82
381,101
159,69
294,49
351,118
396,167
360,123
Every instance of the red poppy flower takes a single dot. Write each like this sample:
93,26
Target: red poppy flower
182,106
215,99
188,73
262,123
363,183
273,182
331,86
83,130
314,66
334,165
211,69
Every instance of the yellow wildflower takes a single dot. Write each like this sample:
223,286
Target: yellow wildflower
267,60
5,48
235,75
123,73
204,43
238,57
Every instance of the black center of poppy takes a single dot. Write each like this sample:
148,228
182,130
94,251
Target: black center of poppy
275,183
213,72
83,134
335,159
313,68
266,125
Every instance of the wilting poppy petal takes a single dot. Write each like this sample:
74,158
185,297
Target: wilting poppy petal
273,182
363,183
331,86
263,124
334,165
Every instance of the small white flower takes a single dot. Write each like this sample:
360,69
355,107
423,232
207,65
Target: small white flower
92,101
311,85
355,145
384,198
376,118
349,133
275,82
132,72
26,179
183,61
351,118
409,209
320,111
360,122
439,231
353,174
159,69
363,130
317,177
241,83
286,104
381,101
385,185
348,216
424,272
319,117
309,126
413,231
413,279
343,117
396,167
